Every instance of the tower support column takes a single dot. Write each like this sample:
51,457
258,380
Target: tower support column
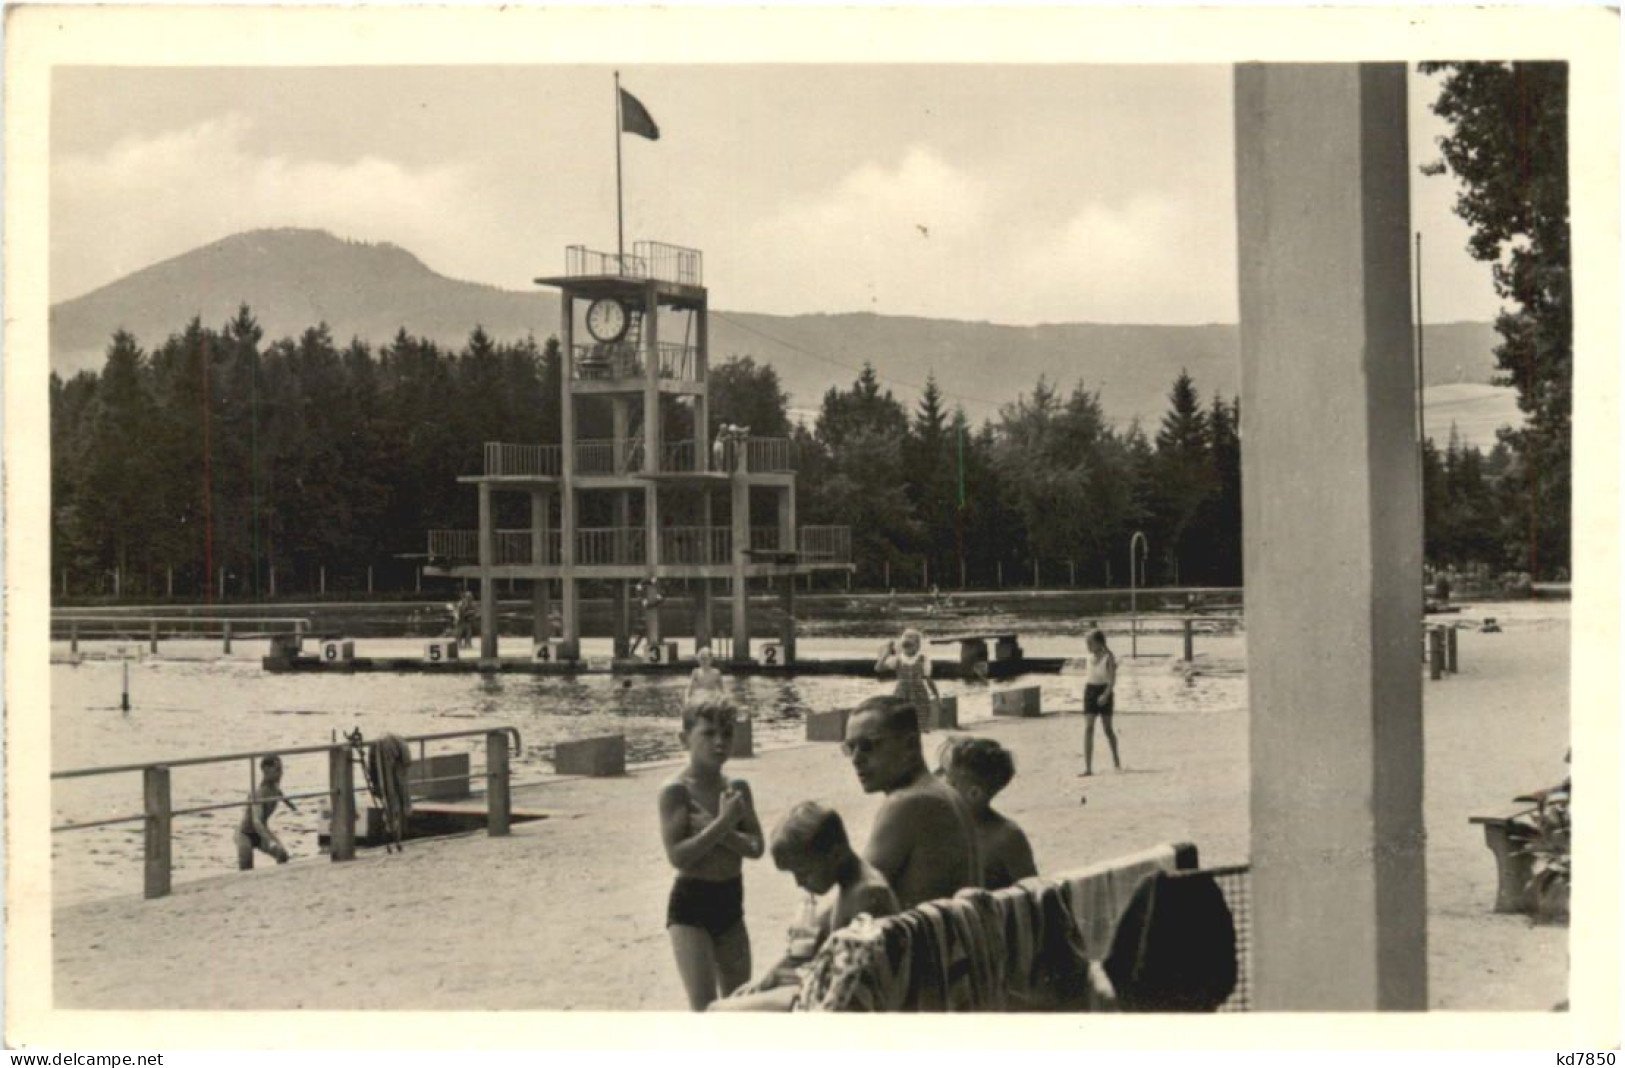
740,516
488,584
541,602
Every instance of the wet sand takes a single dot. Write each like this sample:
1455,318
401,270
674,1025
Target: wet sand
567,913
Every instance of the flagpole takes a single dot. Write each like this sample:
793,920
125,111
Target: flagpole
620,236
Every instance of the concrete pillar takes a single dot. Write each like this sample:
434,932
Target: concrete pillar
651,380
740,601
787,519
541,604
702,614
570,646
488,584
787,626
702,403
1333,538
620,431
621,618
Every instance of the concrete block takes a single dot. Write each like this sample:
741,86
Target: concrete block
827,726
947,717
591,756
744,738
336,651
1023,702
440,650
454,766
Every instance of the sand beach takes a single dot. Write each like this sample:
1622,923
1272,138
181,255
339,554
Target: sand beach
567,912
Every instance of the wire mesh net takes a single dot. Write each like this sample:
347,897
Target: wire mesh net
1235,883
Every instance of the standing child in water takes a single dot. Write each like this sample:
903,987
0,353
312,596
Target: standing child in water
705,681
1098,692
708,825
254,832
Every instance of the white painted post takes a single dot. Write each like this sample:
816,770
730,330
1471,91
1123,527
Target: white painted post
1333,538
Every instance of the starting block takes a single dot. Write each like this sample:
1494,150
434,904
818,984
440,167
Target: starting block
597,757
947,714
336,651
440,650
827,726
1022,702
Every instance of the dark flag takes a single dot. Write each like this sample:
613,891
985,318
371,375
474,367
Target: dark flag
635,118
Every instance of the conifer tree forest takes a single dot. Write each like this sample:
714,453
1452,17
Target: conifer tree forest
219,451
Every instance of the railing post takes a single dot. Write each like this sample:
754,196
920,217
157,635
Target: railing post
225,638
1189,643
498,802
1435,653
73,636
155,788
152,637
1450,650
341,804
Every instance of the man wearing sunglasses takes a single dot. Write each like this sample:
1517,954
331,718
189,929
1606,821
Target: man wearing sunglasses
924,836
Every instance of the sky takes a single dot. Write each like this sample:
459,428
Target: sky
1010,194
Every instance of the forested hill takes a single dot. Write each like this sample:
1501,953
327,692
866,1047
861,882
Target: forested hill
293,279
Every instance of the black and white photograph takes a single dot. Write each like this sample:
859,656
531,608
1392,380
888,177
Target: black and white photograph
574,511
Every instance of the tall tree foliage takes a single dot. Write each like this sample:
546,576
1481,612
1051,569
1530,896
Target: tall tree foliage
298,456
1508,147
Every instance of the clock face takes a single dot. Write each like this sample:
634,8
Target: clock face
606,319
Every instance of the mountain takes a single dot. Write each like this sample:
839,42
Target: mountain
293,279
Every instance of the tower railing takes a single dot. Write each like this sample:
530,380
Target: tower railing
831,544
579,260
611,545
769,454
462,547
539,461
603,360
648,260
671,263
696,545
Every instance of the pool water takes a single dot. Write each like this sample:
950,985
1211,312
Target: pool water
192,700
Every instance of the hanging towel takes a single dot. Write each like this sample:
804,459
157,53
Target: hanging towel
1175,947
387,761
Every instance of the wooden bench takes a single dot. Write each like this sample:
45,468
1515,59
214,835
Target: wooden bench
1505,836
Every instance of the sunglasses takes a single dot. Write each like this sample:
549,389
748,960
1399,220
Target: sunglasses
854,746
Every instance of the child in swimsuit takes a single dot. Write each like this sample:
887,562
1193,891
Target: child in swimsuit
708,824
254,831
706,681
1098,700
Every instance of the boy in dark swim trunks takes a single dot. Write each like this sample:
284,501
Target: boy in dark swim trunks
708,825
254,831
979,768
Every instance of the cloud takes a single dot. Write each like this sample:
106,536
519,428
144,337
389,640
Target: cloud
919,236
883,237
1153,258
144,200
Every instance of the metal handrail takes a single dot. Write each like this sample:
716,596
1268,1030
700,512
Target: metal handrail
158,814
80,773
